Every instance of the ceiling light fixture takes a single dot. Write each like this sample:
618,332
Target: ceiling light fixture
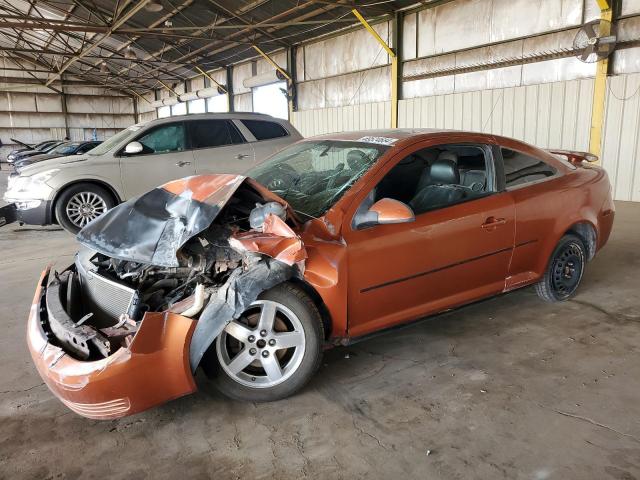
104,68
129,54
153,6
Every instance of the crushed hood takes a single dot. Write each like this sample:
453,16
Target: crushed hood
151,228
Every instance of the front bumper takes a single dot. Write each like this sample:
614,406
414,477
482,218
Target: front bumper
36,212
8,214
152,370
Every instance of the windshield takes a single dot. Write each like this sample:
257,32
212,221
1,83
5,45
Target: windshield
65,149
313,176
110,143
42,146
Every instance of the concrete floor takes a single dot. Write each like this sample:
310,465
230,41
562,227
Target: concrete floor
508,388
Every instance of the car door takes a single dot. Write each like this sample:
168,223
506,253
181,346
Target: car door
218,147
447,256
164,158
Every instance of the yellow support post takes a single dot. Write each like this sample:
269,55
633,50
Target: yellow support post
203,72
394,67
139,96
270,60
600,85
169,88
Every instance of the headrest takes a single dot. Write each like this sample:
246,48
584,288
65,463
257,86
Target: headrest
444,172
355,159
448,155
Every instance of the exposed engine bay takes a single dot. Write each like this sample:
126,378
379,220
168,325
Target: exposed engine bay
97,305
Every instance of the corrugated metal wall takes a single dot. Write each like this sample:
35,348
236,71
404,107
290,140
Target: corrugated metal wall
342,119
548,115
621,140
33,113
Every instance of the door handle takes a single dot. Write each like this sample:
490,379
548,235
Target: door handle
240,156
182,163
493,222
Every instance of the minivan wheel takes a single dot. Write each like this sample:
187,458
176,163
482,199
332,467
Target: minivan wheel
81,203
564,271
273,349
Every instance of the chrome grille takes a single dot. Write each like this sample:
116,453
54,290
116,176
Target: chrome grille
102,296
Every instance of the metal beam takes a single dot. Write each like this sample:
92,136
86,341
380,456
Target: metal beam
230,105
394,67
118,23
203,72
169,88
31,25
600,85
272,62
206,51
292,23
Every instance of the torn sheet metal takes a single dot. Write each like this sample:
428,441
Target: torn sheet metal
141,230
234,297
276,239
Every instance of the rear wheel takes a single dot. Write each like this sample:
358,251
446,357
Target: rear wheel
273,349
564,271
81,203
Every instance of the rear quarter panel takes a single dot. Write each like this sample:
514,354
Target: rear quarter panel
547,210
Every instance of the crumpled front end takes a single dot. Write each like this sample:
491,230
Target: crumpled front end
152,370
126,326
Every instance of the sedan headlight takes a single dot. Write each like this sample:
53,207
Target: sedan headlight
25,184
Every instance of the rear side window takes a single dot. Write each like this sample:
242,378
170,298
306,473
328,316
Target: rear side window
520,169
264,130
213,133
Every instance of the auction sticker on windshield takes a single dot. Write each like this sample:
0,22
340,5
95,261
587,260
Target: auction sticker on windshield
378,140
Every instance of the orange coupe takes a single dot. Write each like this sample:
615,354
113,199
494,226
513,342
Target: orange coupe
332,239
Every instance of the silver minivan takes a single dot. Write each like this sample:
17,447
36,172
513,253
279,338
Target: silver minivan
74,190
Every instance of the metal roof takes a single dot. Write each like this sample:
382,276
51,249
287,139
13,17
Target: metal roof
126,45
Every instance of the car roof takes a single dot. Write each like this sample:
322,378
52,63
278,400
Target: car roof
218,116
396,133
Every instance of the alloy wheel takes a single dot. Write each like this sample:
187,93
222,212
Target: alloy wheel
264,347
84,207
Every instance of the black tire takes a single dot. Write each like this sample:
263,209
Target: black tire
299,303
564,272
71,194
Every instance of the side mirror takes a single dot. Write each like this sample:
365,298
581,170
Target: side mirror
384,212
133,148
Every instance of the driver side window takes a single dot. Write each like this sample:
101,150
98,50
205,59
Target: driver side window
438,177
163,139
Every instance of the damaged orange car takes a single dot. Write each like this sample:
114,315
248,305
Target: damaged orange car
330,240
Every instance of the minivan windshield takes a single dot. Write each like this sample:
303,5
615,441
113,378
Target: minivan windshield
312,176
112,142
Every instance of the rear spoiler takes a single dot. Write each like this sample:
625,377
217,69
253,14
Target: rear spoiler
575,158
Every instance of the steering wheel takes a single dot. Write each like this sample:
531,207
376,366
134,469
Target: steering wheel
332,178
477,187
287,176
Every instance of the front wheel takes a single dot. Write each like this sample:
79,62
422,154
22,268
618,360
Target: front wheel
81,203
273,349
564,271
